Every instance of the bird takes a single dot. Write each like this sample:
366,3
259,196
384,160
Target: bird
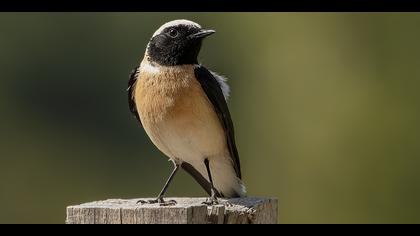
182,107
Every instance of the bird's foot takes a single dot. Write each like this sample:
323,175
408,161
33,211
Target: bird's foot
211,201
228,204
168,203
158,200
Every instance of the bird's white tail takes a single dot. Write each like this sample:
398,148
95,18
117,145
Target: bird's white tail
226,181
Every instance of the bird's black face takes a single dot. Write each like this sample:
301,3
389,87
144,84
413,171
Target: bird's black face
177,45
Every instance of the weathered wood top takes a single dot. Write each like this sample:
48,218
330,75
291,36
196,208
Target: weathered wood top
187,211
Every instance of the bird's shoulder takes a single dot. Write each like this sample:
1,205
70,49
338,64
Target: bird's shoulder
202,72
132,81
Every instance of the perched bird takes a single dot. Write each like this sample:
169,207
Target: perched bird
182,107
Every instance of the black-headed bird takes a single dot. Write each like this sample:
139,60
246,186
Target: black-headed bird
182,107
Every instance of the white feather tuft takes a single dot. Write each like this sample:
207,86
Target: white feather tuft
145,66
242,189
223,84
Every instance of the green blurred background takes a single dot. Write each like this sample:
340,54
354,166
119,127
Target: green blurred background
325,106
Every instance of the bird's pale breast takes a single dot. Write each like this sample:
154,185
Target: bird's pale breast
177,115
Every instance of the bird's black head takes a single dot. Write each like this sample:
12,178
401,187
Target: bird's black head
177,43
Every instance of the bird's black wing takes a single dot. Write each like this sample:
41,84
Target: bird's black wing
131,88
213,91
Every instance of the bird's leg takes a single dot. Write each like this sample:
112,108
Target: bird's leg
213,199
159,199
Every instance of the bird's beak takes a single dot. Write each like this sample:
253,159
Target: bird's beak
202,34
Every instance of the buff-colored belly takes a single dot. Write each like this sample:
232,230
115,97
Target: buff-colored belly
179,118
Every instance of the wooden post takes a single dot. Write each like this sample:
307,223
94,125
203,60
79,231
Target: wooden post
186,211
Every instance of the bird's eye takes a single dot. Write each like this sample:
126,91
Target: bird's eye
173,33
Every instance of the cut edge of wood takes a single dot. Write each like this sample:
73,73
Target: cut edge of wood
252,210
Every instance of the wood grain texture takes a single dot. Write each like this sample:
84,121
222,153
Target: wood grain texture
186,211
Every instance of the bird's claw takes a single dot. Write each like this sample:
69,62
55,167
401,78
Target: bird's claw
168,203
146,201
211,202
158,200
228,204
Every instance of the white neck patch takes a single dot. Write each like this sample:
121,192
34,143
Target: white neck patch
148,68
175,22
